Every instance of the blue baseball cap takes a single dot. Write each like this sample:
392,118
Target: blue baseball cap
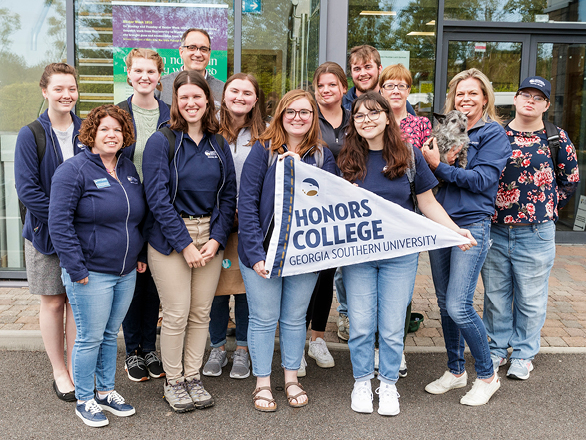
537,82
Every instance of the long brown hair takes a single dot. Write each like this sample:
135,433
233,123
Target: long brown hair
209,123
352,159
276,134
253,120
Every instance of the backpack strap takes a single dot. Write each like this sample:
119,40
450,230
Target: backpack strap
171,138
411,171
553,142
124,106
41,142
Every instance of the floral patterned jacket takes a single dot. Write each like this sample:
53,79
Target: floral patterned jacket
528,191
416,129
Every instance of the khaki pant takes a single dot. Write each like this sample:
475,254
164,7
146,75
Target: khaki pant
186,299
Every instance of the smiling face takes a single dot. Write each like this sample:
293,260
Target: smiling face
370,130
195,59
365,75
470,100
529,108
143,76
109,138
396,98
240,97
297,127
329,91
192,103
61,92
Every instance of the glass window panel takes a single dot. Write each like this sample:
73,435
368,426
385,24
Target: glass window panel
538,11
563,66
499,61
280,46
404,31
94,49
32,35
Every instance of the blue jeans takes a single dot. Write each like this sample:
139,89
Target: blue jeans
220,315
341,292
281,300
140,323
455,275
515,275
378,295
98,309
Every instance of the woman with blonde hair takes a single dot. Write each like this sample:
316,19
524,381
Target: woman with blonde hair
144,69
468,195
294,131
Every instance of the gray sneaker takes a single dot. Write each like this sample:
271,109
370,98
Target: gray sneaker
240,364
217,360
200,397
343,327
177,397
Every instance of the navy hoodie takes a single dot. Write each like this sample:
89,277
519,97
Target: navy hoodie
166,229
95,219
33,180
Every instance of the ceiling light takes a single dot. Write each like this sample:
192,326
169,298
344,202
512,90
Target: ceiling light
427,34
378,13
431,23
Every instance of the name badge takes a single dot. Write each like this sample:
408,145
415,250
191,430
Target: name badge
102,183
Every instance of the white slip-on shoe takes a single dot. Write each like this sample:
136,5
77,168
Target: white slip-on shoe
362,397
446,383
481,392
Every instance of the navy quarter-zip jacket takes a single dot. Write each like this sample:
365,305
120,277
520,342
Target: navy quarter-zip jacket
94,218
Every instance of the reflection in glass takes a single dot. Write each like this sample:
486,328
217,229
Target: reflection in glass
499,61
537,11
563,66
403,32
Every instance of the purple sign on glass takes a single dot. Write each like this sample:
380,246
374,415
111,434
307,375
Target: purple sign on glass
160,26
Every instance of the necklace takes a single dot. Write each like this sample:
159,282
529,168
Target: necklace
112,171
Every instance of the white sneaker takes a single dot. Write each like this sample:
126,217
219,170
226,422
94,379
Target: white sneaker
301,372
376,359
388,400
362,397
403,367
318,350
446,383
481,392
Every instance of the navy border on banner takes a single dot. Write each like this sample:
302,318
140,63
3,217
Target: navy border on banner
286,216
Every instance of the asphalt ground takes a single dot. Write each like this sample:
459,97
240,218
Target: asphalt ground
551,404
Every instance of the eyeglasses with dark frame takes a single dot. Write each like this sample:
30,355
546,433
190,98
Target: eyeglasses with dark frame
291,114
528,96
373,115
194,48
402,87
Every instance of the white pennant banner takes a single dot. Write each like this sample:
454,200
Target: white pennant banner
323,221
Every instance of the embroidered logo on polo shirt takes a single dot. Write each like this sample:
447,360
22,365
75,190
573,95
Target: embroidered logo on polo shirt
132,179
211,154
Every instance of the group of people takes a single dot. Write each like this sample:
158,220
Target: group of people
130,210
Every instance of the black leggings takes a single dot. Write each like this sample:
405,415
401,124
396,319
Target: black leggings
318,310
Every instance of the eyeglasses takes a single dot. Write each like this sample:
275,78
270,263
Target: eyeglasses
193,48
373,115
536,98
401,87
304,114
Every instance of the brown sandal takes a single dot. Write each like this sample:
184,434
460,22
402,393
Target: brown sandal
301,393
256,397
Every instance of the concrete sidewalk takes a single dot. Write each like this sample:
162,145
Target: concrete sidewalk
564,330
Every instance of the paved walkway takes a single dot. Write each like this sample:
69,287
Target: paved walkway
565,327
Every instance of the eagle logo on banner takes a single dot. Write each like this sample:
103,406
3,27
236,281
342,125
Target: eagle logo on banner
323,221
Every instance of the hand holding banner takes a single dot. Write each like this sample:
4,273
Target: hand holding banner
323,221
